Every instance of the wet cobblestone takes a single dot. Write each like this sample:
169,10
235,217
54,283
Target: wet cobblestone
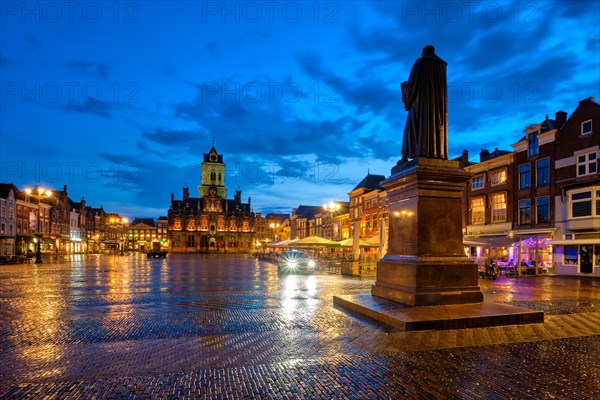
217,327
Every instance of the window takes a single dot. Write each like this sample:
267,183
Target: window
524,176
533,148
581,204
524,212
478,182
571,255
586,164
498,207
543,172
586,127
3,213
3,229
597,202
477,211
11,213
191,241
498,177
543,210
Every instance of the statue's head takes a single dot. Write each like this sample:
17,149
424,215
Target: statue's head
428,50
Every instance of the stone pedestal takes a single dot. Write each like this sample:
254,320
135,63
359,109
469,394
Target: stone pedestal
426,263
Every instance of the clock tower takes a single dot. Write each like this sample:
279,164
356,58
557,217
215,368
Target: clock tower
212,173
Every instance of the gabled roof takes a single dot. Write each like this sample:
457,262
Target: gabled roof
5,189
370,182
495,153
307,211
213,150
147,221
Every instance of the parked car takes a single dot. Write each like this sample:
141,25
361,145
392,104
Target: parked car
295,262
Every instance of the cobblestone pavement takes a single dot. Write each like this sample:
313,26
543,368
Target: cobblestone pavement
230,327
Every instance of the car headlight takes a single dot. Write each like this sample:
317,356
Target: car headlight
311,264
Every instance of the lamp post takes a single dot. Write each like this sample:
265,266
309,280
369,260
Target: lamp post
332,207
39,193
274,226
118,223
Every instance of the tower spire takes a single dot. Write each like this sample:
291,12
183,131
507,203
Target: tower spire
213,141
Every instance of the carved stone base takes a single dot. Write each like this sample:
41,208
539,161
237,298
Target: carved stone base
426,263
428,282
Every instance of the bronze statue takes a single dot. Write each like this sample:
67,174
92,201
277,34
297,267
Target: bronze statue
425,97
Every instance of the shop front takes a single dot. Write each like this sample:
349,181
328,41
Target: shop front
533,251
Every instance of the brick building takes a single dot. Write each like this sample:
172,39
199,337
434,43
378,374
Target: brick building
211,222
576,194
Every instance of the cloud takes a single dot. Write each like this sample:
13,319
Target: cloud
32,43
99,108
90,69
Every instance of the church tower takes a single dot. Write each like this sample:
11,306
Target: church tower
212,173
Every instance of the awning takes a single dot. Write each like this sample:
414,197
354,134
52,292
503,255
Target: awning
574,242
489,241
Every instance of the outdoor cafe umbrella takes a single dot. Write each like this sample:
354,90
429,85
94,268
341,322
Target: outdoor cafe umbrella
361,243
315,241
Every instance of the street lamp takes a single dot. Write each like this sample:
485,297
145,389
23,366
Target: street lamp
332,207
39,193
274,226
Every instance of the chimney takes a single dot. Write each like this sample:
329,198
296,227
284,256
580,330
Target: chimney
186,193
561,118
483,154
238,196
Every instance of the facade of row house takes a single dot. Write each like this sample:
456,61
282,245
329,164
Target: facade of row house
66,227
327,223
141,234
302,221
8,219
539,206
576,195
368,208
489,204
211,222
266,227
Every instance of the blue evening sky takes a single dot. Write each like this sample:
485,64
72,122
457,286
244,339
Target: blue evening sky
119,100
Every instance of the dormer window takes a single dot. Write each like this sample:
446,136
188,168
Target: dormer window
533,149
586,127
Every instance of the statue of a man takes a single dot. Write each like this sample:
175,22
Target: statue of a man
425,97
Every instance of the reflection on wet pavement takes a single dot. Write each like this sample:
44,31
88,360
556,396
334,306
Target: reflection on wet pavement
137,321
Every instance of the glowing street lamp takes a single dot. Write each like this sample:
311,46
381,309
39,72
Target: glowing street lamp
39,193
332,207
274,226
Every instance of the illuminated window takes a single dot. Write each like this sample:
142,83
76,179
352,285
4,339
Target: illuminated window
498,201
477,211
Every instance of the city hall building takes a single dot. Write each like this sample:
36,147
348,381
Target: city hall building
211,222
